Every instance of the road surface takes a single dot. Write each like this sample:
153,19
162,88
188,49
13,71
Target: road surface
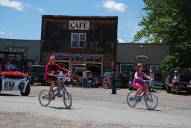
93,108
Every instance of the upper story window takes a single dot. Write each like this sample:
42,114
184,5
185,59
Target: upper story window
78,40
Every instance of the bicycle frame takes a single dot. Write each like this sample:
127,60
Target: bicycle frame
58,89
61,85
148,94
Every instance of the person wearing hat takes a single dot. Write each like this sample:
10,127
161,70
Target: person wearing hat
175,81
51,72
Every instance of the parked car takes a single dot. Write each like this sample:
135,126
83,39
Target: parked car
37,74
184,82
15,81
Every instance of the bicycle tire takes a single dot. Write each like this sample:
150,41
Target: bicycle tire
131,100
67,99
151,99
43,96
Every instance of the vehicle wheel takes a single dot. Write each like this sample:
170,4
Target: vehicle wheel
131,100
168,89
27,91
152,102
67,99
43,98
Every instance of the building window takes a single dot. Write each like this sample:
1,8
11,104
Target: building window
126,68
78,40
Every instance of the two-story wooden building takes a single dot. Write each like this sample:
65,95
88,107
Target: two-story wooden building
88,40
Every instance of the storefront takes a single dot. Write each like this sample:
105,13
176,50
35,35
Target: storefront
80,40
21,53
150,55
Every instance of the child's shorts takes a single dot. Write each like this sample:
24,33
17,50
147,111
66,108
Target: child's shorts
138,85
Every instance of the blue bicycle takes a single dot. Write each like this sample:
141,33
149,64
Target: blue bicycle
151,100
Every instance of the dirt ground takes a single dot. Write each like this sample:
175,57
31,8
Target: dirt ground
93,108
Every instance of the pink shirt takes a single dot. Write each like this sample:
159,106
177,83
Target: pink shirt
139,81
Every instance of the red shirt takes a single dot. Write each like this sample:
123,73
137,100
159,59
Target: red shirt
53,69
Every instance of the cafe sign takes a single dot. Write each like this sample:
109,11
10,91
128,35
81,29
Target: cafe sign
78,25
142,58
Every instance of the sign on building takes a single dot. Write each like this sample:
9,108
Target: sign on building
78,25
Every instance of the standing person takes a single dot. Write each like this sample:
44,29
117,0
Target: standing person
51,72
152,82
90,79
84,78
138,80
175,81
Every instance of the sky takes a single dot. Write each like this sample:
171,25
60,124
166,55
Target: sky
21,19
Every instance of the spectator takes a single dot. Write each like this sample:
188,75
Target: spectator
84,78
9,66
152,75
90,79
175,81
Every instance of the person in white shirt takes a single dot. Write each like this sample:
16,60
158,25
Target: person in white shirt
176,81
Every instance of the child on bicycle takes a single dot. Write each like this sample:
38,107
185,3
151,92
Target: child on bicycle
51,72
138,81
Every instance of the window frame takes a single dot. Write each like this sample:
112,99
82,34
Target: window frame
78,40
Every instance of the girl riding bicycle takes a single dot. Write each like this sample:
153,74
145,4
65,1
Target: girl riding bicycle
138,81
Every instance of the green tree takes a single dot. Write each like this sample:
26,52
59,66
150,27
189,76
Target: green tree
168,63
168,21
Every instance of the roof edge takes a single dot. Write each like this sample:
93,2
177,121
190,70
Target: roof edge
18,39
68,16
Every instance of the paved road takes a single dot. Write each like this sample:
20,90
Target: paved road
93,108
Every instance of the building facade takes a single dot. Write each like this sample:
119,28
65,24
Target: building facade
20,52
151,55
75,40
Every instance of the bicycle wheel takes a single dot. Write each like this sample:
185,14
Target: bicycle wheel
131,100
152,101
67,99
43,98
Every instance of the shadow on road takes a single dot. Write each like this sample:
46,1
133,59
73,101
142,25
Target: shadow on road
182,93
156,110
59,108
8,95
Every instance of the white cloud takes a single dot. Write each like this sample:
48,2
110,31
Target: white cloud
112,5
5,33
121,41
19,6
41,10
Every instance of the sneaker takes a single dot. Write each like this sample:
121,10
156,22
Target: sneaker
138,98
